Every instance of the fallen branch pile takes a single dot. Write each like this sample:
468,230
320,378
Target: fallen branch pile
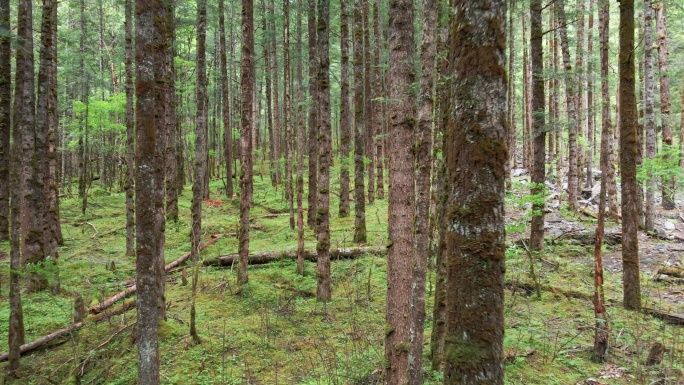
309,255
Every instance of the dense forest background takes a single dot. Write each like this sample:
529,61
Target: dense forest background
313,192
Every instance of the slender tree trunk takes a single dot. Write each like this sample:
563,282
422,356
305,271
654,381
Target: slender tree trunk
247,87
313,117
149,187
402,208
367,104
475,156
289,136
301,148
602,332
668,182
607,133
538,122
511,142
324,153
378,117
345,128
589,152
649,114
276,97
571,100
628,154
169,77
130,132
225,106
422,165
580,73
359,132
5,114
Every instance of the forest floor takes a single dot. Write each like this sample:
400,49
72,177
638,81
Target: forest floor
274,332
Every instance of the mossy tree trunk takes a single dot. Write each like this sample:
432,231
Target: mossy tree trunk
476,153
649,115
247,89
323,291
130,131
668,182
5,113
367,103
359,129
538,123
345,122
313,117
225,105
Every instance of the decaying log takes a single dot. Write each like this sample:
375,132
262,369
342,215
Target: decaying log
671,318
529,288
40,342
126,306
310,255
132,289
589,237
672,272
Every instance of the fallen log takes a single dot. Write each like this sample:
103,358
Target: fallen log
587,238
40,342
672,272
309,255
132,289
671,318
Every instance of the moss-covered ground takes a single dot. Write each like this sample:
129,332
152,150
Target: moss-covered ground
274,332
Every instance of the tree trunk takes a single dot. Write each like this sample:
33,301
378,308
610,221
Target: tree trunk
580,73
149,187
402,208
324,153
5,114
130,131
512,138
46,125
422,164
300,132
571,100
538,122
628,154
367,104
170,137
313,117
378,117
247,87
668,182
289,136
649,116
475,156
345,128
359,132
589,152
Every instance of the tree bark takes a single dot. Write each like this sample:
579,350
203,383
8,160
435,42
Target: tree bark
5,114
289,136
571,100
628,154
475,156
367,103
589,152
402,206
649,115
359,132
345,127
538,122
313,117
149,187
668,182
377,93
324,153
46,125
247,87
171,184
130,131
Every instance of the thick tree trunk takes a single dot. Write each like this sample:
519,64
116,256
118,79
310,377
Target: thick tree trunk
628,154
46,124
247,88
359,132
345,127
323,291
149,187
402,208
170,137
475,156
649,115
538,122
